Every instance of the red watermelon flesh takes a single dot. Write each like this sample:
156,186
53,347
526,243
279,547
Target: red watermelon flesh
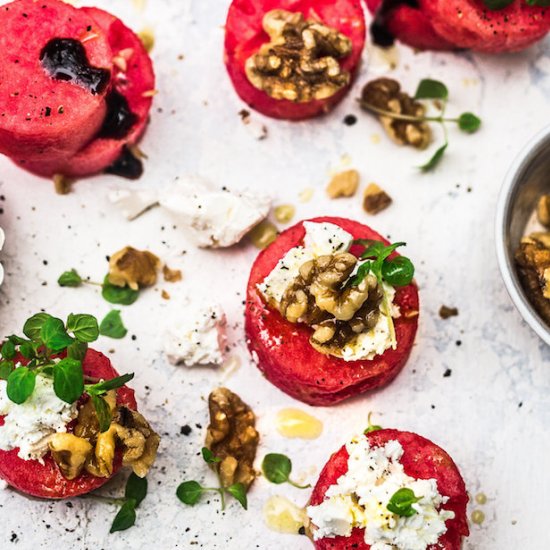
42,117
284,353
137,79
410,25
470,24
45,480
421,459
244,35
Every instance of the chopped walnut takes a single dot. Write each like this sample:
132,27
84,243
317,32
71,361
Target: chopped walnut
133,268
445,312
70,453
232,437
171,275
384,94
343,184
543,210
375,199
301,61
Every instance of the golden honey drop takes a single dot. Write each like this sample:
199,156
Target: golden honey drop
297,423
283,516
478,517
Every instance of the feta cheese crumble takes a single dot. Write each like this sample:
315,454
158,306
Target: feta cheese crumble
217,218
360,498
199,339
29,425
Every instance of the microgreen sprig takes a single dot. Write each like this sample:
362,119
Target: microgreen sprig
401,502
277,468
190,492
429,89
371,427
56,350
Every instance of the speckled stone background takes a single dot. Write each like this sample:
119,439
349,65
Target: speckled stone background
491,410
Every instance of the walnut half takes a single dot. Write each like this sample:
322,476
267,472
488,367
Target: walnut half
232,437
133,268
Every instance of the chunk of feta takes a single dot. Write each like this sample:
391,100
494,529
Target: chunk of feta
199,339
360,498
133,203
323,239
27,426
216,218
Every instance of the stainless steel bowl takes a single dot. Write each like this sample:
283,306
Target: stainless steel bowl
527,179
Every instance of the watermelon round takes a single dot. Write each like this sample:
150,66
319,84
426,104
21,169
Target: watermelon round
244,36
283,352
421,459
45,480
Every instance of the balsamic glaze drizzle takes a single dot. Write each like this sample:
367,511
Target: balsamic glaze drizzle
127,165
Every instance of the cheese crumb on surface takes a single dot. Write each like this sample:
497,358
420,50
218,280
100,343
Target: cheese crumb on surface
360,497
27,426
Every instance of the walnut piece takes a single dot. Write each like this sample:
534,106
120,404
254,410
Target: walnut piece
543,210
343,184
300,63
232,437
385,94
133,268
375,199
171,275
70,453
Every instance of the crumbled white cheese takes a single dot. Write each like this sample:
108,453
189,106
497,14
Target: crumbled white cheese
133,203
199,339
323,239
360,498
217,218
2,238
28,426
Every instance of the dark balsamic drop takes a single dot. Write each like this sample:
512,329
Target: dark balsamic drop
380,33
65,59
127,165
119,118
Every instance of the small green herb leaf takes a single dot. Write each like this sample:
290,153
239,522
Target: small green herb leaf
125,518
6,367
117,294
398,271
401,503
431,89
276,468
108,385
27,350
136,488
112,325
77,350
189,492
435,160
362,272
70,278
103,412
8,350
54,335
209,457
68,380
469,123
33,325
495,5
84,327
21,382
238,491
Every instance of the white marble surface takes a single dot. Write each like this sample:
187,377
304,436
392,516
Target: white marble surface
491,414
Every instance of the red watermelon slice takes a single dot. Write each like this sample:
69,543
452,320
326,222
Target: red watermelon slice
422,459
244,35
45,480
45,118
284,353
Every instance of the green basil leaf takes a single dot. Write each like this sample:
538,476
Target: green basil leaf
276,468
6,367
21,382
495,5
108,385
398,271
189,492
102,411
401,503
77,350
112,325
136,488
125,518
68,380
27,350
209,456
431,89
54,334
70,278
238,491
435,160
33,325
84,327
117,294
8,350
469,123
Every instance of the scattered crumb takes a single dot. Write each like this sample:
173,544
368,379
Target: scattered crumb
445,312
343,184
257,129
62,184
164,295
447,373
375,199
171,275
350,120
